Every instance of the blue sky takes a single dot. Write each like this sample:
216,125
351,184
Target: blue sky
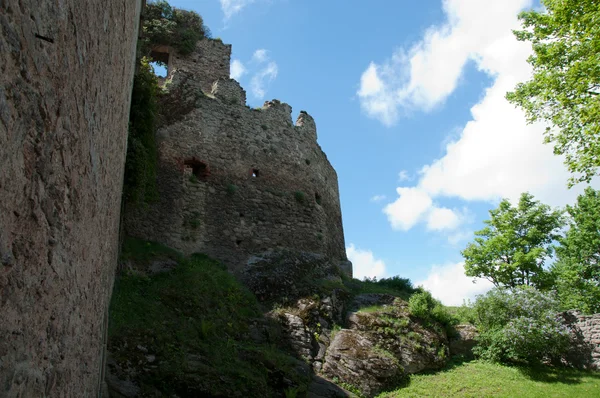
409,103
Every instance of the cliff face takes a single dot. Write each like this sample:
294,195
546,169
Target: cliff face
65,82
233,181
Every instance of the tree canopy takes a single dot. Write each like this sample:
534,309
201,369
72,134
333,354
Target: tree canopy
512,248
577,271
565,88
171,26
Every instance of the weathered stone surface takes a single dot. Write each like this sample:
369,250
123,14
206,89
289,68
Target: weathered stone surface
464,340
323,388
233,181
298,335
353,358
383,343
585,339
65,83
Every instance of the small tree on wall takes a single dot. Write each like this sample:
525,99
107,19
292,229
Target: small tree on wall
170,26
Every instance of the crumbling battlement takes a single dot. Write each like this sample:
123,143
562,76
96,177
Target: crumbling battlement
235,181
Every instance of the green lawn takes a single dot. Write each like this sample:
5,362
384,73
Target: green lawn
481,379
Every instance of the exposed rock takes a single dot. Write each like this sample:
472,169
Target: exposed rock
383,344
298,336
353,358
323,388
464,341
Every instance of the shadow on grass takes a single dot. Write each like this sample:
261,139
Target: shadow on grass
547,374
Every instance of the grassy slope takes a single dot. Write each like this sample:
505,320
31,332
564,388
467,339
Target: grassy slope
481,379
195,320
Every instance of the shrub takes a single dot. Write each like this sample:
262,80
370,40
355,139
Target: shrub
171,26
424,306
519,325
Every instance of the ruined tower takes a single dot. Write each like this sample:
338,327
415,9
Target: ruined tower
235,181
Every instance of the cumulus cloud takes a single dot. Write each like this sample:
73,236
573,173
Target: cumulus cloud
449,284
232,7
378,198
406,211
494,155
237,69
424,75
415,205
442,218
364,263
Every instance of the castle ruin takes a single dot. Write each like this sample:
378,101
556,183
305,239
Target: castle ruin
235,181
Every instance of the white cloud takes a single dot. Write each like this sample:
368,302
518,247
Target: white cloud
427,73
232,7
415,205
449,284
441,218
496,154
378,198
261,79
364,263
262,69
237,69
406,211
404,176
260,55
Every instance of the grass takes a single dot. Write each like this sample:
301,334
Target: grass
483,379
195,320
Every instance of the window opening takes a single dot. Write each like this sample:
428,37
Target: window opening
199,169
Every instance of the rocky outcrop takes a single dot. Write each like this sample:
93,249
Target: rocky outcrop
354,358
380,345
66,72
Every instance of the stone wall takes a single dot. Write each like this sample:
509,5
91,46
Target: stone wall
235,181
65,83
585,330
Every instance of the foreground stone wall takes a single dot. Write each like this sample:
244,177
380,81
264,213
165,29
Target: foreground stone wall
235,181
586,335
65,82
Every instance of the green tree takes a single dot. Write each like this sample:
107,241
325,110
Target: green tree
512,248
565,88
577,271
171,26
